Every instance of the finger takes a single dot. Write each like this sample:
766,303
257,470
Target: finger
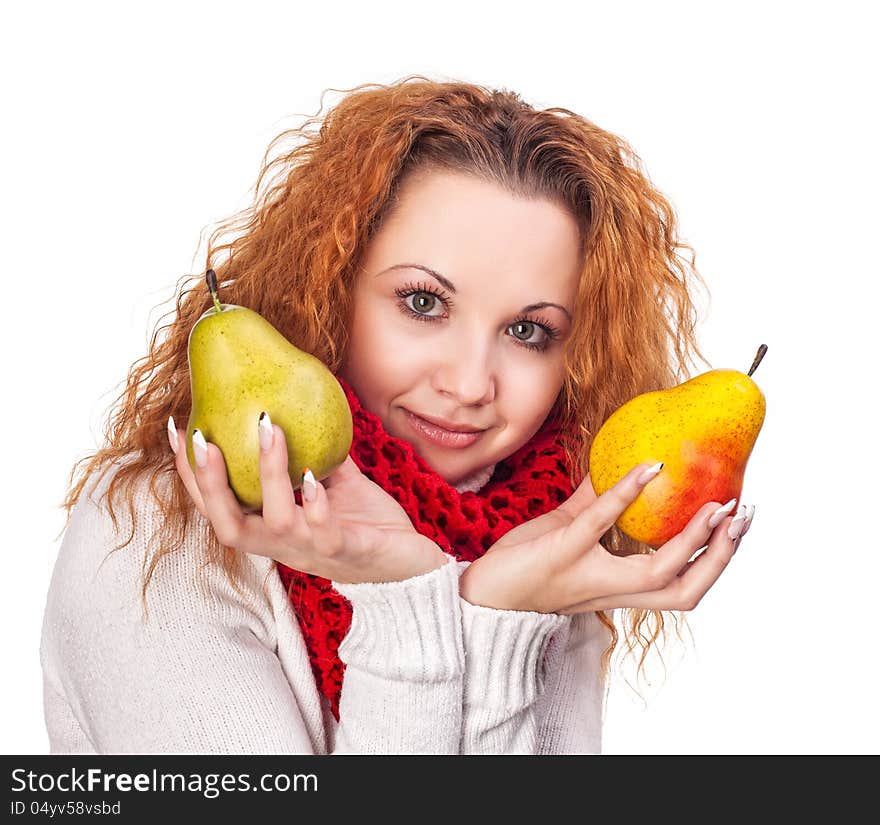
740,524
671,558
750,514
598,518
606,577
315,503
223,508
181,462
686,590
603,575
598,572
281,515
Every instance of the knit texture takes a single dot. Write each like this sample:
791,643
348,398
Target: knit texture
217,670
527,484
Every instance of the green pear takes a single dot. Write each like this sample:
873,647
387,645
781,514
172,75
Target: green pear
240,366
703,431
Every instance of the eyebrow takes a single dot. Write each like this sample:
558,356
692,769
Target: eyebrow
451,286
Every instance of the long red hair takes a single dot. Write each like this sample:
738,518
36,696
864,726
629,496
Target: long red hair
323,189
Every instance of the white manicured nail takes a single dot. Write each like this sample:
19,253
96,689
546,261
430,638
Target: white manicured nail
646,476
750,514
266,431
172,434
309,486
200,449
720,513
736,525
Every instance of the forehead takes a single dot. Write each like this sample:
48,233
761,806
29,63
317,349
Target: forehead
473,230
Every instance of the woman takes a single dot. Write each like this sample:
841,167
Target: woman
460,261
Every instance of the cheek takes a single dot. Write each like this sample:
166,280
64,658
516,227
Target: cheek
382,348
530,393
535,378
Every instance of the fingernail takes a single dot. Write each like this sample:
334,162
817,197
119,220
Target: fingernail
200,449
720,513
309,485
172,434
266,432
750,513
646,476
736,525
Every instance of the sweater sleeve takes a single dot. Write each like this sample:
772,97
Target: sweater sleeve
504,676
201,673
530,682
571,709
196,674
404,666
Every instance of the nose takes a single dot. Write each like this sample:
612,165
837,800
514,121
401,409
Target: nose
466,371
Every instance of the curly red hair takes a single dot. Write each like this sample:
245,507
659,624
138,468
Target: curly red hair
294,254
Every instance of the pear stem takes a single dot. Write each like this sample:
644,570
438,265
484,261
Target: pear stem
761,350
211,278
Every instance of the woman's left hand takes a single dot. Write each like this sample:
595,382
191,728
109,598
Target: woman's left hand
506,561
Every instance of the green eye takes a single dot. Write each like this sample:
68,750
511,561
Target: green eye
428,297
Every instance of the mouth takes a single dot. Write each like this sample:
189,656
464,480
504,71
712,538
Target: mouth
440,435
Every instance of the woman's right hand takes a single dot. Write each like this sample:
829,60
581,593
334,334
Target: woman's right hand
556,563
352,532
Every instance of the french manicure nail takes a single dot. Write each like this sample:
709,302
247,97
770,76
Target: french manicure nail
750,513
646,476
266,432
720,513
200,449
736,526
309,486
172,434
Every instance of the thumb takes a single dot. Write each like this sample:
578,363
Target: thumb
345,471
582,497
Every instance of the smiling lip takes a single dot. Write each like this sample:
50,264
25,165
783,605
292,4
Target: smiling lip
440,435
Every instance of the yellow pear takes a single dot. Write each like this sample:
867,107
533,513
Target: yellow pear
240,366
703,431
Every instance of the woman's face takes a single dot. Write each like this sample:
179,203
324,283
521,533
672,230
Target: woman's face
472,354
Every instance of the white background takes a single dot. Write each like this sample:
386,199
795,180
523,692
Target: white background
128,132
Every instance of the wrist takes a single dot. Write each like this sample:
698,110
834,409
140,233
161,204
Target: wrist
421,556
404,555
469,587
509,586
435,556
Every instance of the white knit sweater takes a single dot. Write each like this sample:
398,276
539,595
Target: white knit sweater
212,671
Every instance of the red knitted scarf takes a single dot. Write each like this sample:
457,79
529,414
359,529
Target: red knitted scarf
525,485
